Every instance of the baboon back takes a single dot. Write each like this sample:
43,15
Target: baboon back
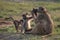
43,25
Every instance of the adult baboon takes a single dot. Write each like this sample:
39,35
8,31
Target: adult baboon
43,21
27,21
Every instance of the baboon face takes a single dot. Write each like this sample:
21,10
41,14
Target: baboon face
24,16
42,9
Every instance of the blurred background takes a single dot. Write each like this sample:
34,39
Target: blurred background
16,8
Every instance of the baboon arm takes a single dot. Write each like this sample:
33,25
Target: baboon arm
51,21
29,18
49,18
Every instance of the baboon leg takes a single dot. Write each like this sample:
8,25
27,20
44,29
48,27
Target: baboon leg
16,23
16,27
22,30
33,31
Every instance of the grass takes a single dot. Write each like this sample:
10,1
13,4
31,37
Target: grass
16,9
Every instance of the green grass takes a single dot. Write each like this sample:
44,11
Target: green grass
16,8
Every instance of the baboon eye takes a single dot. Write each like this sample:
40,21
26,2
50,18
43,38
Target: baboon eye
42,9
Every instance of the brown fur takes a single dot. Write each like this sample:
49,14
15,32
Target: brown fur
26,22
16,24
22,29
43,21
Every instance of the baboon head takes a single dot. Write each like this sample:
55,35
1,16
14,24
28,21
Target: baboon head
42,10
39,10
24,16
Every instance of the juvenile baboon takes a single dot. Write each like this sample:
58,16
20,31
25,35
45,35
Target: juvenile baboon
16,23
27,21
23,24
43,21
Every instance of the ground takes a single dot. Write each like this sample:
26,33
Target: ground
18,36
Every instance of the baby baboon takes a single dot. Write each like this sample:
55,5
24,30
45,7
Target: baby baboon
22,29
24,24
27,21
16,23
44,23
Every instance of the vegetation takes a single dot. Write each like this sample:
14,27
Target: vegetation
16,9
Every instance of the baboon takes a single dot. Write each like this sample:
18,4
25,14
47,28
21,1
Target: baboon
43,21
24,23
16,23
27,21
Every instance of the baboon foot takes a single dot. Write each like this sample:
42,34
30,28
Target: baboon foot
28,31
